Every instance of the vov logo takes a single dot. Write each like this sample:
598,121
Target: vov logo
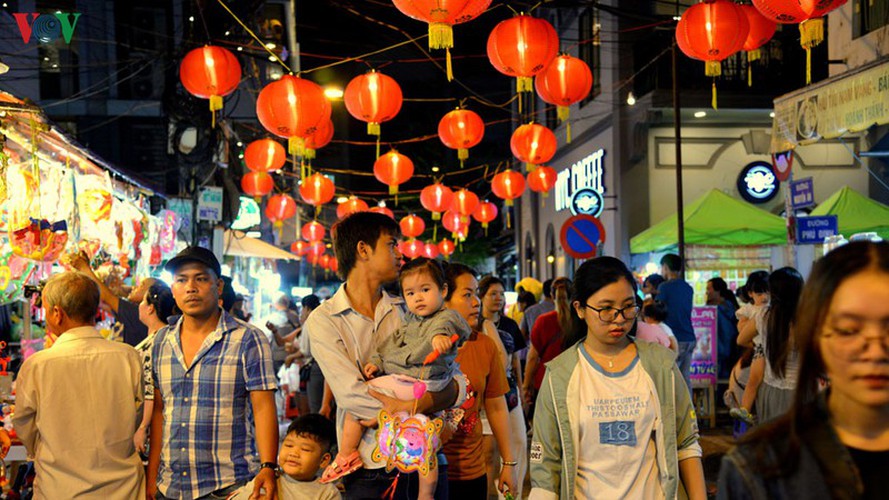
46,27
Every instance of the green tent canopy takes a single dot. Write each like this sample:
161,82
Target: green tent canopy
856,213
715,219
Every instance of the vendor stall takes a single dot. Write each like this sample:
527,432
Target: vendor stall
856,213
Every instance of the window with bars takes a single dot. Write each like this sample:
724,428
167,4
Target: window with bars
588,50
869,16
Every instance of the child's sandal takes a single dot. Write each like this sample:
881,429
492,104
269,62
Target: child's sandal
341,467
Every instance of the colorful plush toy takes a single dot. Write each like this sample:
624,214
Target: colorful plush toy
408,442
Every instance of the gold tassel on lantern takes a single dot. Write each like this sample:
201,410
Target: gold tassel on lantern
441,36
713,98
524,84
562,112
296,146
436,216
434,228
215,105
485,227
811,34
309,154
449,68
373,128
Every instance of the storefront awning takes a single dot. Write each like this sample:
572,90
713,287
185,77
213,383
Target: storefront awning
715,219
850,102
238,244
856,213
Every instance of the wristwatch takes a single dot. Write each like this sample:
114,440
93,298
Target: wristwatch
269,465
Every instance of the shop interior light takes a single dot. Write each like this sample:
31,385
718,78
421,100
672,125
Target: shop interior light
631,99
700,114
772,114
333,92
550,258
435,169
342,199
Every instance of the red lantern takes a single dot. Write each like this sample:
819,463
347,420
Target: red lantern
314,258
412,226
485,212
430,250
522,47
280,208
299,247
383,210
293,108
374,98
565,81
392,169
454,222
320,138
350,206
315,252
508,185
461,129
210,72
533,144
446,247
316,190
334,265
265,155
257,184
711,31
312,231
324,261
542,179
413,248
436,198
761,31
464,203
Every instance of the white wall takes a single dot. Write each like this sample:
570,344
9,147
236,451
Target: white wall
856,52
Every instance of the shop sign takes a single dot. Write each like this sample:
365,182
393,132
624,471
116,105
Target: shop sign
581,235
210,204
46,27
802,193
757,183
782,163
587,201
248,214
586,173
815,229
703,359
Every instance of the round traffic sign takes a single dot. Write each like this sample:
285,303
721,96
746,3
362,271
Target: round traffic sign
581,235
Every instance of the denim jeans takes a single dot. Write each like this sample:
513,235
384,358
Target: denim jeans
365,484
684,361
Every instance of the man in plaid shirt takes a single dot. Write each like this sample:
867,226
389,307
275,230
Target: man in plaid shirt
213,379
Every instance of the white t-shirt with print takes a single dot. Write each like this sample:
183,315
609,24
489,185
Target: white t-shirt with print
617,456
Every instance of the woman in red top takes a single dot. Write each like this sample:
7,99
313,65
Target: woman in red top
547,339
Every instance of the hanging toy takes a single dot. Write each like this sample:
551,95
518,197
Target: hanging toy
408,442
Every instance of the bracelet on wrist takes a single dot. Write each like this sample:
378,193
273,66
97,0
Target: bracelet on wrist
510,464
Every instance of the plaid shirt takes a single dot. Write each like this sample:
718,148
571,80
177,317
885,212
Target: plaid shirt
208,440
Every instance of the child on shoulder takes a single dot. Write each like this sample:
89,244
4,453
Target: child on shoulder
751,328
304,452
428,328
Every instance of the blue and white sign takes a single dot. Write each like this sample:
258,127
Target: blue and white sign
815,229
587,201
588,172
757,182
802,193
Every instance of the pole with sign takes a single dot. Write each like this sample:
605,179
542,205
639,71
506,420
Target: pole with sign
581,235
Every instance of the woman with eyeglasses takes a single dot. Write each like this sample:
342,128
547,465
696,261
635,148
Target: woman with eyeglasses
614,418
833,444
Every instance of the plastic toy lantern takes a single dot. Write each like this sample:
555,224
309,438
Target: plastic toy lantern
533,144
436,198
522,47
264,155
293,108
210,72
40,240
461,129
407,442
351,206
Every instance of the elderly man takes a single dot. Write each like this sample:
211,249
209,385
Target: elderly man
78,403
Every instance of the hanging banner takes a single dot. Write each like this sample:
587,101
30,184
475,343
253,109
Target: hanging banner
852,102
703,359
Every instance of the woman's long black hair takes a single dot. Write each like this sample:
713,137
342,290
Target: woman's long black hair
785,287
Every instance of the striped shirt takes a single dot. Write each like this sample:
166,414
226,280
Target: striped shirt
208,440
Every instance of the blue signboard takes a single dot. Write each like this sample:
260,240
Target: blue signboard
815,229
581,235
802,193
587,201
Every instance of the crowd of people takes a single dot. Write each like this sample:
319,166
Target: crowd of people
582,390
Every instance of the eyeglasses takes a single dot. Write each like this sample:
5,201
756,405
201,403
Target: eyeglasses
609,314
851,342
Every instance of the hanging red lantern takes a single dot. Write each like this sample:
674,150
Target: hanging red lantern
293,108
334,265
314,258
257,184
485,212
808,13
316,190
383,210
280,208
508,185
413,248
210,72
324,261
392,169
264,155
430,250
315,251
312,231
712,31
522,47
350,206
761,31
299,247
446,247
373,98
442,15
412,226
320,138
533,144
542,179
436,198
464,203
565,81
454,222
461,129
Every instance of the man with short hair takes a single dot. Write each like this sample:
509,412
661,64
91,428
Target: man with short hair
78,404
678,296
532,313
345,331
213,379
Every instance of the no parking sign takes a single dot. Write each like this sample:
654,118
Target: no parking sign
581,235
